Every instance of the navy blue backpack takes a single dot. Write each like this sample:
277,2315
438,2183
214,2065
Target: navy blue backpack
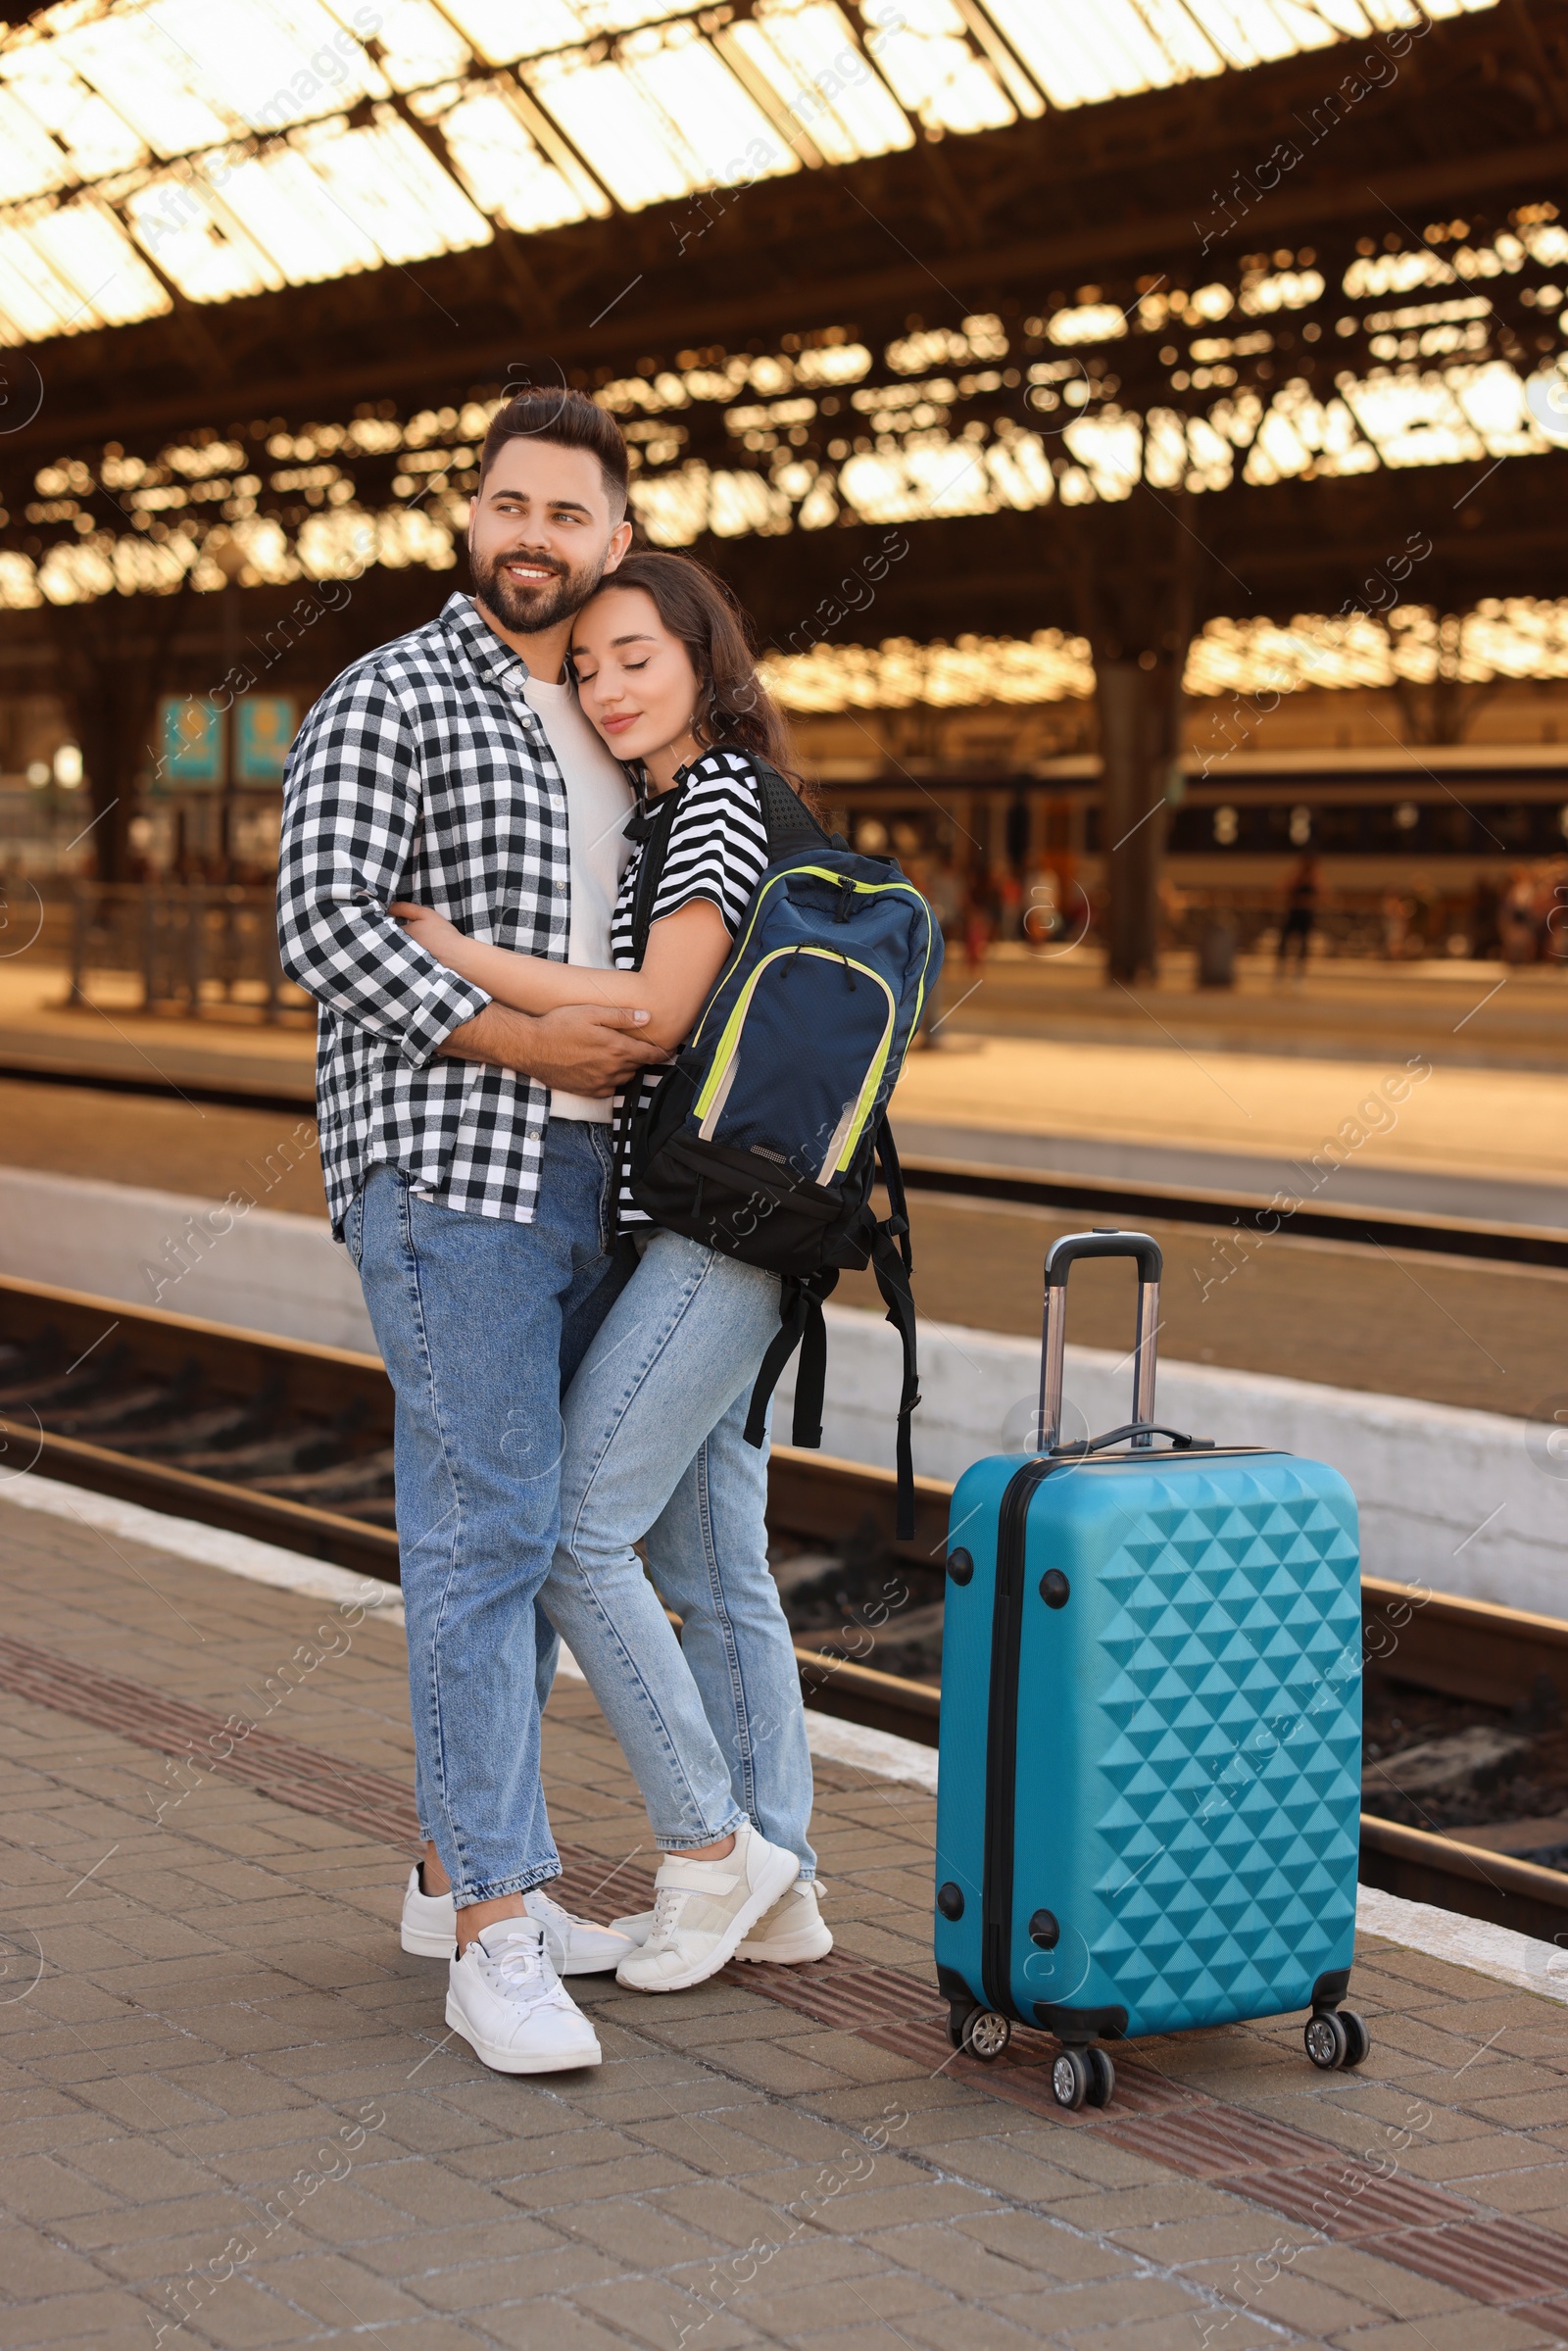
765,1137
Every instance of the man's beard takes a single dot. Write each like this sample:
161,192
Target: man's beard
527,610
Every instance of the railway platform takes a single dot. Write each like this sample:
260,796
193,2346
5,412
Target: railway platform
1154,1094
235,2117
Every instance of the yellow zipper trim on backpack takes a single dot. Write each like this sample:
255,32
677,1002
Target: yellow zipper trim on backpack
825,873
729,1041
873,1079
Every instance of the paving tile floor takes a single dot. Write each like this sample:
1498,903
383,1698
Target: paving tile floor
233,2116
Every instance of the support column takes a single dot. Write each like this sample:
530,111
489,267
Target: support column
1136,741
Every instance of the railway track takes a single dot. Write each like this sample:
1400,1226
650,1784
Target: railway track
291,1442
1120,1198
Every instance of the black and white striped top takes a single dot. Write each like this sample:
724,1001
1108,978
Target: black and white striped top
717,849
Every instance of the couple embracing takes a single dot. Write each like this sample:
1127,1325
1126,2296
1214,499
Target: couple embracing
466,817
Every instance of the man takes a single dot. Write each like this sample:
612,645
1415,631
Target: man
467,1153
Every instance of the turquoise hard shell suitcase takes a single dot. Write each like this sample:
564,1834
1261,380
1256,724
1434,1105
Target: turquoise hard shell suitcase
1148,1798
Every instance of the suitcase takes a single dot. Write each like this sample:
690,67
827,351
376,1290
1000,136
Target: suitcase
1148,1789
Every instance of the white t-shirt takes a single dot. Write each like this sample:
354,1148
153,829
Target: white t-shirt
599,800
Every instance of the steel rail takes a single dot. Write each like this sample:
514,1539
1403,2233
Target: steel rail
1464,1648
1276,1215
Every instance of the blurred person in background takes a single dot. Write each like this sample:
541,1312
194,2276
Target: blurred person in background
979,917
1516,921
1394,916
1301,914
1554,911
1007,888
938,884
1484,906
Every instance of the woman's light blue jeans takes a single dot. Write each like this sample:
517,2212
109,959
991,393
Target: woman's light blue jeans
712,1724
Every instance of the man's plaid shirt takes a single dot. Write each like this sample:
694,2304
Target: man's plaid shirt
422,773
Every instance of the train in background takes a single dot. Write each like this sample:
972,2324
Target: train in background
1416,850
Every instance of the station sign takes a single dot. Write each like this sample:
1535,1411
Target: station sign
264,729
190,741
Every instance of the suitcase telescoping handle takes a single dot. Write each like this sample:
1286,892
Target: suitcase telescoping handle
1060,1258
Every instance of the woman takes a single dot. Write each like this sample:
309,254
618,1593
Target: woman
713,1724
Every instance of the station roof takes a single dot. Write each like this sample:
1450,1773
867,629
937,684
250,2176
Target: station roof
153,151
1075,341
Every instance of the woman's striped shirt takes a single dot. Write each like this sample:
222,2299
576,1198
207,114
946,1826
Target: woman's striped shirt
717,849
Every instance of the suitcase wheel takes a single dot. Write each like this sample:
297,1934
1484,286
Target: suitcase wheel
1336,2038
1082,2078
985,2035
1070,2078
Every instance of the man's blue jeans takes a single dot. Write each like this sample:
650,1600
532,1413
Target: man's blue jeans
483,1323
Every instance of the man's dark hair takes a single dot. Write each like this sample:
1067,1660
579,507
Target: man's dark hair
569,420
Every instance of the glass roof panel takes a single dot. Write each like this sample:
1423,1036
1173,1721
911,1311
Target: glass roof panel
614,127
723,129
501,166
84,244
808,55
285,208
96,139
920,46
503,31
30,163
1303,25
145,76
1125,50
267,63
1177,34
34,300
183,226
418,45
385,179
620,15
1246,31
1075,55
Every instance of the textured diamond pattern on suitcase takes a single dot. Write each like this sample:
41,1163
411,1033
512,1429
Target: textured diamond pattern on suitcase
1225,1821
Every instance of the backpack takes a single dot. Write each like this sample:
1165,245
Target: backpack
764,1137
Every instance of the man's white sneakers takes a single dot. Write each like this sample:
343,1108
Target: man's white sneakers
574,1946
789,1934
703,1910
429,1926
506,2000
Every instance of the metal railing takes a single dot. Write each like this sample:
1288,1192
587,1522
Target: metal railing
197,948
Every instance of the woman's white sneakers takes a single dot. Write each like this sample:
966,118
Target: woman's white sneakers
508,2004
789,1934
794,1929
703,1910
574,1946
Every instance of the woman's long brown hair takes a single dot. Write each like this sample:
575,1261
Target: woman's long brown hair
733,706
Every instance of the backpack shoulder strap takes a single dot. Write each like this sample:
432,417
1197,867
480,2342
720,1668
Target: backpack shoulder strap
891,1264
649,827
792,829
802,1325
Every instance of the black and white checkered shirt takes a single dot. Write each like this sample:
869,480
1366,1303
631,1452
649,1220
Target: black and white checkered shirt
422,773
